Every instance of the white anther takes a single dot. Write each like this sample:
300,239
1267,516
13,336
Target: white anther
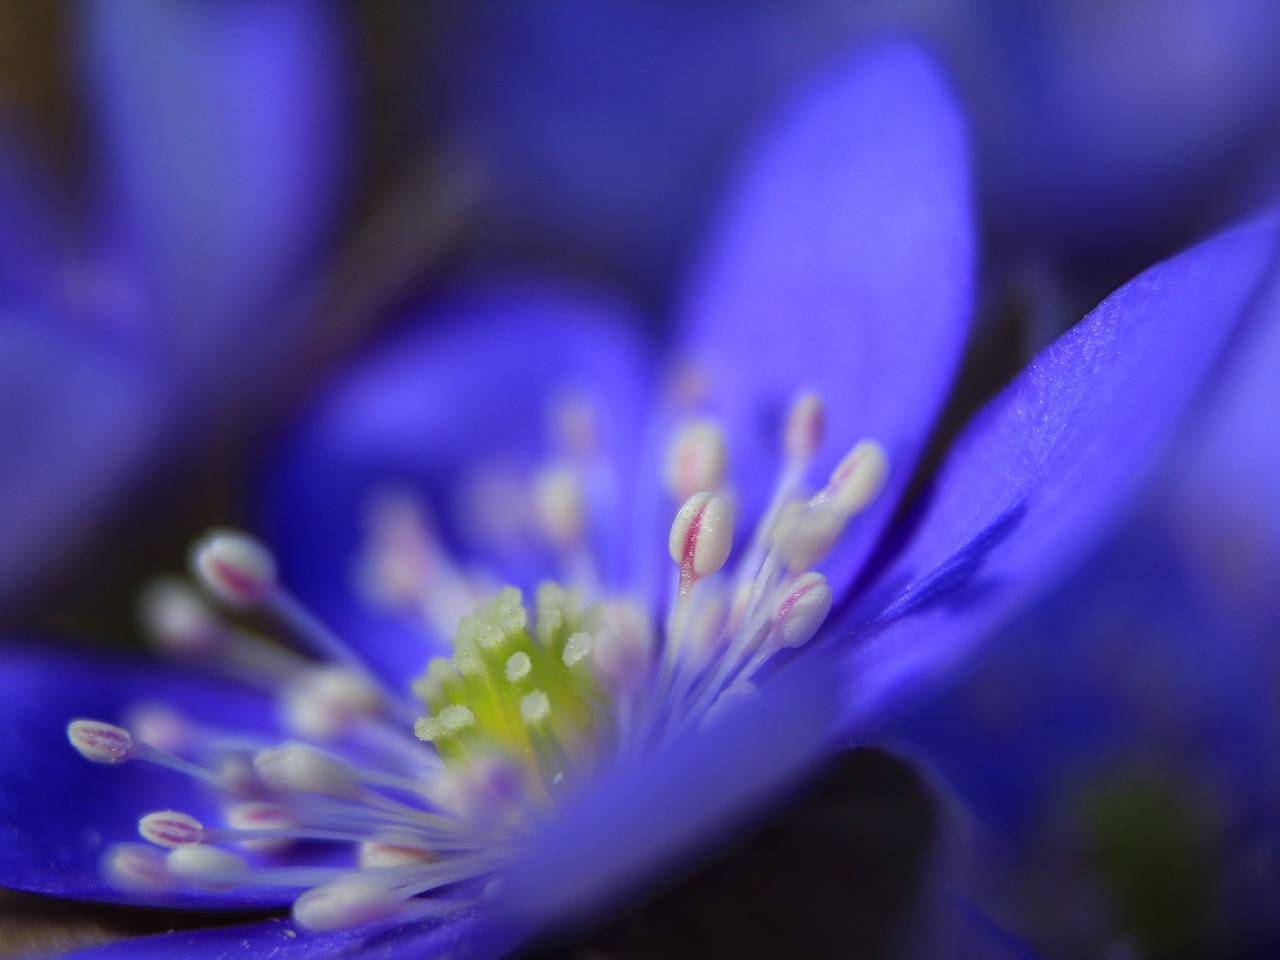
170,828
802,611
577,648
207,865
518,667
805,428
100,742
805,533
395,565
160,726
136,866
299,768
535,708
347,902
697,459
375,855
858,478
177,618
256,815
327,701
701,535
235,567
560,504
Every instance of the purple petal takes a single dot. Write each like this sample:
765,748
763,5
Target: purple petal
223,123
630,827
1044,469
460,938
58,810
80,415
28,262
467,389
844,266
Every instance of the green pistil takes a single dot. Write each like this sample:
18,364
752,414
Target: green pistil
527,695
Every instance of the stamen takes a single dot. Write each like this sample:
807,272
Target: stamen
178,619
301,768
137,867
806,424
559,502
206,865
701,536
101,742
802,611
169,828
698,459
326,702
235,567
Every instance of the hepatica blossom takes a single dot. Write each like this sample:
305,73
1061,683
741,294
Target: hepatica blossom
560,615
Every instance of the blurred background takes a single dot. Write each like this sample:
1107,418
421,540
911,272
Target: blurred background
210,206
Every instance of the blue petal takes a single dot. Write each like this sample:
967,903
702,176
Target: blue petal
28,264
80,415
1045,468
462,938
468,386
844,266
57,810
637,823
223,125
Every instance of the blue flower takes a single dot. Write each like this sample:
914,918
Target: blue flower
215,170
635,703
1134,711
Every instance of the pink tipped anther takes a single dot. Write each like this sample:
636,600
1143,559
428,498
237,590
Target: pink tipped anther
805,427
802,611
257,815
299,768
347,902
374,855
235,567
161,726
857,479
177,618
100,742
169,828
136,866
701,536
698,459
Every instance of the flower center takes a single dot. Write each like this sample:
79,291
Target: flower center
435,787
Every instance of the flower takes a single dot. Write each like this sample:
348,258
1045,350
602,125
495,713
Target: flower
1131,717
593,731
218,159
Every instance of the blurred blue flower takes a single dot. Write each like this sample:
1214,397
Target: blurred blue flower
220,145
1110,132
668,695
1121,756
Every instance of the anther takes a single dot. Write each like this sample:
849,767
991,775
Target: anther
374,855
170,828
858,478
697,459
325,702
802,611
535,708
560,504
101,742
299,768
805,428
350,901
701,536
206,865
177,618
235,567
136,866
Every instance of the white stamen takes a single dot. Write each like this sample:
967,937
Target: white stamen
301,768
697,459
802,611
170,828
350,901
161,726
622,653
137,867
259,816
560,504
206,865
177,618
457,718
101,742
577,648
858,478
235,567
375,855
518,667
805,428
535,708
325,702
701,536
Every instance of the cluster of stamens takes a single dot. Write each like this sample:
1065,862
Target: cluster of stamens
434,783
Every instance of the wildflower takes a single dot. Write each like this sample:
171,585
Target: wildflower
630,608
216,167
